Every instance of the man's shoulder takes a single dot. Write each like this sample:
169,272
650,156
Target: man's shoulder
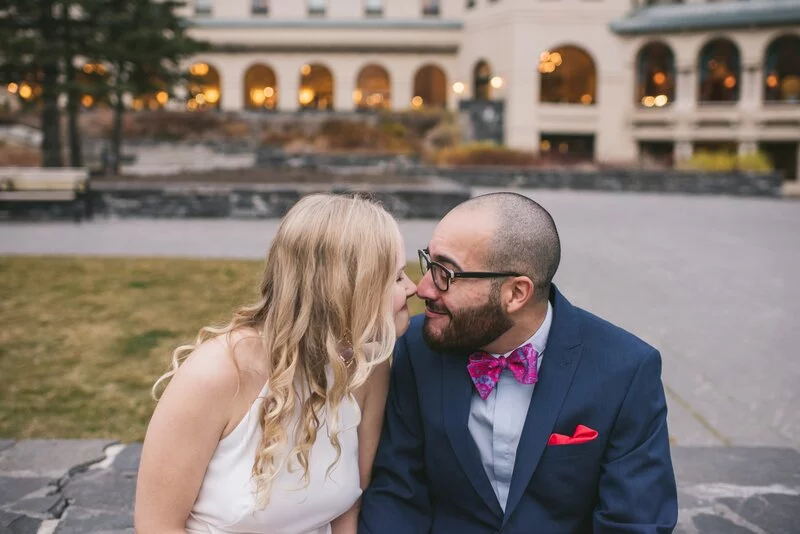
601,335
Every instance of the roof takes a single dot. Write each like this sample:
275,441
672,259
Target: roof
402,24
707,16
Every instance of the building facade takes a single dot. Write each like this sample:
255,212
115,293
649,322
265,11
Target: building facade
601,79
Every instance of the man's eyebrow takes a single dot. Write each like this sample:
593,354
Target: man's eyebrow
441,258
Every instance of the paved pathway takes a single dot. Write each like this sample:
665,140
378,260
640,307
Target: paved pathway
711,281
79,487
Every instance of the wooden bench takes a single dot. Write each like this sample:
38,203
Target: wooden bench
25,188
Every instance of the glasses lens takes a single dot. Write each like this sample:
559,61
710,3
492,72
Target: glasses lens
440,278
423,263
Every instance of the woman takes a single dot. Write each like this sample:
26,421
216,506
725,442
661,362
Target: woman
271,423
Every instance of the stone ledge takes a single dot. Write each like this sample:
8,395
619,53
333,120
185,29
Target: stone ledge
749,490
684,182
430,199
620,179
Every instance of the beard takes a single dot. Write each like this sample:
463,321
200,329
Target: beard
469,329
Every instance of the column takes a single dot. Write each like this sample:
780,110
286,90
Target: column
231,72
522,95
797,165
614,140
686,88
402,79
746,147
750,90
344,82
288,74
683,151
522,90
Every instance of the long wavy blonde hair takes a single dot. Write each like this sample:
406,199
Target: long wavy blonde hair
326,304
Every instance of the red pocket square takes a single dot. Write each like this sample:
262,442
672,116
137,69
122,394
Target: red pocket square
582,434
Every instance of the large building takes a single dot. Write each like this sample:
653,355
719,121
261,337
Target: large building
607,79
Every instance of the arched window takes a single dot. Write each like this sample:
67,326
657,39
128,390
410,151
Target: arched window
568,76
373,90
782,70
655,75
481,81
260,88
204,89
720,71
430,88
316,88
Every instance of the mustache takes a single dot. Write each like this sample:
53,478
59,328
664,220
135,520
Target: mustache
436,309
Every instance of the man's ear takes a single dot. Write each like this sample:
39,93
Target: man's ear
519,293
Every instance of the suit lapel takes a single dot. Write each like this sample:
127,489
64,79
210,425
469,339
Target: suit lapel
559,361
457,396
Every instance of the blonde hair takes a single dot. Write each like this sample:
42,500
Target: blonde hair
327,287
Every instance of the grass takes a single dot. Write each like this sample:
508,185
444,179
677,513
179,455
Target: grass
83,339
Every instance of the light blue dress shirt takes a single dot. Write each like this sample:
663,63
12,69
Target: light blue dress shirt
496,423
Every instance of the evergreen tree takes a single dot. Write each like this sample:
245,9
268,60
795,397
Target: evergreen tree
143,43
31,55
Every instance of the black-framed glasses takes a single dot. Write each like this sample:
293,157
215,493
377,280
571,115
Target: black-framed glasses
442,276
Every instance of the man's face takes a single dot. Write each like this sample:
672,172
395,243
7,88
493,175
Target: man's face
470,314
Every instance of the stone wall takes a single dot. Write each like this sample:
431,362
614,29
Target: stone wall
636,180
430,200
666,181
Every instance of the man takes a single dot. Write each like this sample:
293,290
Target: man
510,410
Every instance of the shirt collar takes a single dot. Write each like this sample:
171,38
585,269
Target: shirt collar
539,338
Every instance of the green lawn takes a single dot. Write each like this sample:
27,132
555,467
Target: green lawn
83,339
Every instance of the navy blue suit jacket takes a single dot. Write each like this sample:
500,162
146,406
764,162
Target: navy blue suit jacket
428,476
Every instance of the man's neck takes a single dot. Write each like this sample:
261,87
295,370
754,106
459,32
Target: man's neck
524,327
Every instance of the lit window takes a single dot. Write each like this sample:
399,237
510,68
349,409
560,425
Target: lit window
260,7
203,7
431,8
316,7
261,88
373,8
720,72
430,88
655,84
373,91
481,81
782,70
567,76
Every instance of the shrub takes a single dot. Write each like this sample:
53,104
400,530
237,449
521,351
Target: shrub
722,161
419,122
172,125
755,162
19,156
393,129
343,134
443,135
485,153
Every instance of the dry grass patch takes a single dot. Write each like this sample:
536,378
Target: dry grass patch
83,339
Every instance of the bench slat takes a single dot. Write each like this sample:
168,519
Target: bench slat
19,185
37,195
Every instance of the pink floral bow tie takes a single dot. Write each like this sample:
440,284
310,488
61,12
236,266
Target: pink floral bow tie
485,369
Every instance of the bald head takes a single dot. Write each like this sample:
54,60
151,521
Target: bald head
524,240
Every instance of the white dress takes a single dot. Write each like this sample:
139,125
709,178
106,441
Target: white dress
226,502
